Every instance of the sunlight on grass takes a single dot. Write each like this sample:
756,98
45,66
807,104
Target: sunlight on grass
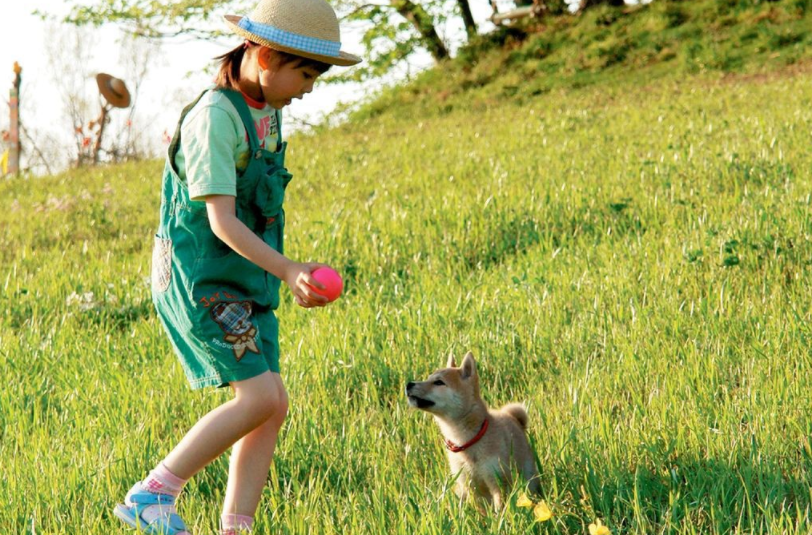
632,263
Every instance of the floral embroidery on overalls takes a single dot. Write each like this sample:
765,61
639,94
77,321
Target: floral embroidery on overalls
234,319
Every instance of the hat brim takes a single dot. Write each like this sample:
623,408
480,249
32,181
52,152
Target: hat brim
115,100
343,59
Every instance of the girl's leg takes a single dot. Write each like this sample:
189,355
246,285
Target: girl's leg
251,458
256,401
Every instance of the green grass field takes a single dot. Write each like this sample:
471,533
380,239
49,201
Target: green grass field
631,260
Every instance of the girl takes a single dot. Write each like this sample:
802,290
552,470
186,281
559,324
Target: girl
218,262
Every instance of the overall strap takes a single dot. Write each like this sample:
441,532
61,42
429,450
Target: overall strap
245,114
278,129
175,144
248,122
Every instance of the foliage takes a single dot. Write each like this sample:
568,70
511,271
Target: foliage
392,31
155,19
388,38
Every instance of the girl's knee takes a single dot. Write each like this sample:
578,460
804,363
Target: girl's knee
267,405
281,408
262,398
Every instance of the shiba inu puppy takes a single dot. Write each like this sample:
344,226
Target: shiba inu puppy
486,448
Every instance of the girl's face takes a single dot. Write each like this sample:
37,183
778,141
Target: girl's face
280,84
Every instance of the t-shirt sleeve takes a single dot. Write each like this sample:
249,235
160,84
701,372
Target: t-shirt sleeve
210,137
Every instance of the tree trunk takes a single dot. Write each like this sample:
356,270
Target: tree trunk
424,25
467,18
586,4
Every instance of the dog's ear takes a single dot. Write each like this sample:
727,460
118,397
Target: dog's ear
451,362
468,366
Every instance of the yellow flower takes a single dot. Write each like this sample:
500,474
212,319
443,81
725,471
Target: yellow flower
524,501
542,512
598,528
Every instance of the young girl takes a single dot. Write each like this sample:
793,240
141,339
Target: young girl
218,262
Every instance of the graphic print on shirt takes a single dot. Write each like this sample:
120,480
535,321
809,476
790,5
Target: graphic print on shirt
235,320
266,127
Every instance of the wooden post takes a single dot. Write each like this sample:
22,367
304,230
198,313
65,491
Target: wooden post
15,147
101,122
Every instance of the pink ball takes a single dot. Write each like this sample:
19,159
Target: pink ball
333,285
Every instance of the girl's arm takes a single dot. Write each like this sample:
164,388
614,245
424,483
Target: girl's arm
225,225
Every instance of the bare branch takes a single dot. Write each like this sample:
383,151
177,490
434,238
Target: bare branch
33,142
364,7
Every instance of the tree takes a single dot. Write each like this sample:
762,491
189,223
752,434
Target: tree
130,140
392,30
467,18
148,18
424,25
71,51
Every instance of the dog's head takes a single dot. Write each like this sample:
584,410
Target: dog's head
448,392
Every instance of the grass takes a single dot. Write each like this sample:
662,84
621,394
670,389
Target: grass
631,261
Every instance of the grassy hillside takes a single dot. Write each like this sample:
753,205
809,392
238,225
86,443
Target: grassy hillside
608,46
631,260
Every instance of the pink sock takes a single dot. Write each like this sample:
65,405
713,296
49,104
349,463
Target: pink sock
234,524
162,481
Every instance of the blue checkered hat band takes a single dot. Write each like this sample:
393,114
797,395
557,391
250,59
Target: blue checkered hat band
296,41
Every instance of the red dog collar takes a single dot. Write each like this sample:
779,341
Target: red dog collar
456,449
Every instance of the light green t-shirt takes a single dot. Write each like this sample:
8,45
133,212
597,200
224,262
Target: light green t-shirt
214,143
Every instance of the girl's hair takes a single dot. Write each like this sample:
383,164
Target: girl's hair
229,73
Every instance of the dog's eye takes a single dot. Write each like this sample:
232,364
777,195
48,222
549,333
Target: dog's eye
439,383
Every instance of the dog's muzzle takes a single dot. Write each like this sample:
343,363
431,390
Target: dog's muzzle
415,401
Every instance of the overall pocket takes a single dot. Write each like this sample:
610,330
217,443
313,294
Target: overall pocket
225,292
271,191
161,264
230,277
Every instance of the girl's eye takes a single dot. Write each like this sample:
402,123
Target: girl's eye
439,383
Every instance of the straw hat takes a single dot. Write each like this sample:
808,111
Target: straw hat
113,90
307,28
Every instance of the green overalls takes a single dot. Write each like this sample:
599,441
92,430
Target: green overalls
217,306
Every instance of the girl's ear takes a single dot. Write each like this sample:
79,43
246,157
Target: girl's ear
264,58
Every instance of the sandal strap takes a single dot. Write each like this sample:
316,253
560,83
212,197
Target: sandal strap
164,520
143,497
167,520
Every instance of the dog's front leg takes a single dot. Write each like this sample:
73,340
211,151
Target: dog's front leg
461,490
495,491
497,501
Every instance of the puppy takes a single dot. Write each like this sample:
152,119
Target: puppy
485,447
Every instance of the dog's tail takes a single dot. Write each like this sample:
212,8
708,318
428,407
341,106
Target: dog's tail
518,412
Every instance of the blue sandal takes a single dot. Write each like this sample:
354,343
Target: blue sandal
164,521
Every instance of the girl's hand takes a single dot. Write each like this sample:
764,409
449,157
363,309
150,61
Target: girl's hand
298,277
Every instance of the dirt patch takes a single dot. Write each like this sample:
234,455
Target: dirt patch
798,68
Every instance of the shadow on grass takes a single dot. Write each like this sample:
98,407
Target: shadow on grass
670,492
